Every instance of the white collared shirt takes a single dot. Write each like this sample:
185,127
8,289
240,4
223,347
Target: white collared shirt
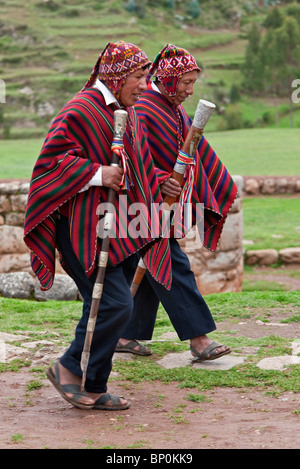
154,87
107,94
109,98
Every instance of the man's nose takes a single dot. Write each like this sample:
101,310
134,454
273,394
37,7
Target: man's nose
143,83
190,89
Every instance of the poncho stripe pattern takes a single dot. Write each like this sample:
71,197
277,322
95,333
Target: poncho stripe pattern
78,142
213,185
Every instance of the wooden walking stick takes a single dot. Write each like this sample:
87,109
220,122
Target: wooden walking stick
185,158
120,119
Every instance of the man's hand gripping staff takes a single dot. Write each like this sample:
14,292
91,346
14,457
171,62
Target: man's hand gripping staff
120,120
184,162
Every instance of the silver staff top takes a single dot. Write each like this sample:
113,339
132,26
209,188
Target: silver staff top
120,120
202,114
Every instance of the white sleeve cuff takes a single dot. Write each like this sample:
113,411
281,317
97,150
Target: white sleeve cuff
96,180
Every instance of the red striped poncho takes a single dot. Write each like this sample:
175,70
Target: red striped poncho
213,187
78,142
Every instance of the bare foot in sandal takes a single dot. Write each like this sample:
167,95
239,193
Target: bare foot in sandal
69,386
204,348
132,346
64,381
106,401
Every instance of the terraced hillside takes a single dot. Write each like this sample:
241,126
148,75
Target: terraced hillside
48,48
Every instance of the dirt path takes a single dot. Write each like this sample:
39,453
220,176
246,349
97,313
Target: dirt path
160,416
228,419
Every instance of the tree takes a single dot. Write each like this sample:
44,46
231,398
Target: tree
274,19
278,55
193,9
272,60
234,94
252,67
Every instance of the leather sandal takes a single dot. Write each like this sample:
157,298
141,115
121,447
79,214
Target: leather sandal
129,348
209,353
101,403
74,389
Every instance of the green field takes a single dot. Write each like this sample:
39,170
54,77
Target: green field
271,222
245,152
18,157
258,152
48,49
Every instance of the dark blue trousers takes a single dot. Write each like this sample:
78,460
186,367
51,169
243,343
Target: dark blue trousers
183,303
114,313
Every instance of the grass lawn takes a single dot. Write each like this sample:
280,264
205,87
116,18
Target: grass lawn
18,157
59,318
258,152
247,152
271,222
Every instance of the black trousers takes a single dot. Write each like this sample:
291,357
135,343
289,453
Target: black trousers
114,312
183,303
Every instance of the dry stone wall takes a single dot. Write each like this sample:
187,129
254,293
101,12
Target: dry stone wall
222,270
271,185
265,257
215,272
14,254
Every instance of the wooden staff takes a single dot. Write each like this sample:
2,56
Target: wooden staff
202,114
120,119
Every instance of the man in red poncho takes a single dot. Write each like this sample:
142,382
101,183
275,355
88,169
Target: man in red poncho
166,125
70,181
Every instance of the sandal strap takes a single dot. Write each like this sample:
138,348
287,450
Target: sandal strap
210,348
102,400
130,345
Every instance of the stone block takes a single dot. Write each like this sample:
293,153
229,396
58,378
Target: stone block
12,240
15,262
268,186
224,260
15,219
63,289
5,205
297,186
262,257
236,206
282,185
290,255
18,202
252,186
211,282
232,234
239,181
16,285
